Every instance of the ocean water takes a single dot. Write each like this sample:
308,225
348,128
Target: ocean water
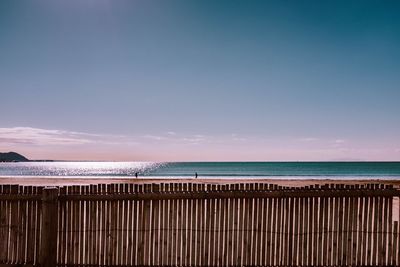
289,170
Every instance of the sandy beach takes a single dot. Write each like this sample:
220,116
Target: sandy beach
86,180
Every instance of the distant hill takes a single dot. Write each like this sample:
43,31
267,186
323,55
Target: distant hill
12,157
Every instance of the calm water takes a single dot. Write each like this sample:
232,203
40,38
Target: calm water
351,170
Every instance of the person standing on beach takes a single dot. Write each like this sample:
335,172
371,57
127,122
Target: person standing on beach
136,174
195,175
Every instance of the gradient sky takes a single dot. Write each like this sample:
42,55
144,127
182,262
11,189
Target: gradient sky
200,80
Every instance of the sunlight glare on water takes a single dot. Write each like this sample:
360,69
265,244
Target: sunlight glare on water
78,168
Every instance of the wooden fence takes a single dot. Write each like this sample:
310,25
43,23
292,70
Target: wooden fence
189,224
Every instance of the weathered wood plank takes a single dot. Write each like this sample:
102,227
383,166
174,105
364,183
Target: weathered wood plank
48,244
396,249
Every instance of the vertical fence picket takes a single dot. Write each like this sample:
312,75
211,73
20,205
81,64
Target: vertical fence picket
3,227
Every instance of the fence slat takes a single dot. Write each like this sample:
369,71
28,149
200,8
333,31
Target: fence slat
396,249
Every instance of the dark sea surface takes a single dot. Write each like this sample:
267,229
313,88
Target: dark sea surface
289,170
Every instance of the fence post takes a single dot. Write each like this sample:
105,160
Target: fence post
48,247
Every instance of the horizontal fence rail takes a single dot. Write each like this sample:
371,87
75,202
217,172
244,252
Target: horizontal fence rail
189,224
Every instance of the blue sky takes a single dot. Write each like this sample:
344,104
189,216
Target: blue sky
200,80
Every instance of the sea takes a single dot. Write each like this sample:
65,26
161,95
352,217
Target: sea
271,170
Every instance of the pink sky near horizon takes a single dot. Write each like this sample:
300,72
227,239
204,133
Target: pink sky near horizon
36,143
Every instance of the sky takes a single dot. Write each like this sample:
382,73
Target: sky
200,80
